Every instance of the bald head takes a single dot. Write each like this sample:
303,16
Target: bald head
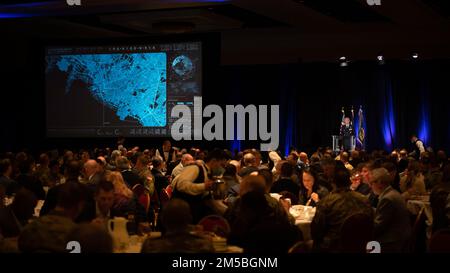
249,160
237,164
344,157
303,157
101,159
90,167
187,159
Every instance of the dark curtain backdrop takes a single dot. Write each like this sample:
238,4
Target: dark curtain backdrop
398,99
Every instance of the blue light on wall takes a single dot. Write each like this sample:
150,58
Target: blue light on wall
235,145
388,119
288,140
4,15
21,6
424,117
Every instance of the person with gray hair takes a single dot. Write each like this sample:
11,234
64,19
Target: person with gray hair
90,174
130,176
392,228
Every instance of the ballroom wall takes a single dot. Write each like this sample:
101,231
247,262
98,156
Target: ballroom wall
398,98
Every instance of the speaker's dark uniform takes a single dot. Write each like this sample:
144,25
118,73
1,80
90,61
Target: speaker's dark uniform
347,133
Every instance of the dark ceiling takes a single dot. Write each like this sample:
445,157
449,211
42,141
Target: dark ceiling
253,31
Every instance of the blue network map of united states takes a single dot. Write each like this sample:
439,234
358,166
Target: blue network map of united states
133,85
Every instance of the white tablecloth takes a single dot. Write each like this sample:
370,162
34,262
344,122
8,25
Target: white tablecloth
303,218
414,206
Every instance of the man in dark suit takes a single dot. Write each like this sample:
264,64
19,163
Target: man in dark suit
91,173
102,209
130,176
28,181
161,180
71,174
392,227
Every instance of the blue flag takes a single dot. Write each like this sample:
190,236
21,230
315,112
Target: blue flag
361,136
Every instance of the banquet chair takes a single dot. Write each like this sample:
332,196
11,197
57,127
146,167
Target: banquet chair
418,238
216,224
440,241
142,196
169,190
164,196
355,232
301,247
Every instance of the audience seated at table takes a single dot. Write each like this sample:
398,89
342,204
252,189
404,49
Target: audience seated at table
15,217
72,174
285,182
27,180
391,167
6,171
332,211
231,179
125,201
392,222
49,233
256,221
106,186
431,170
357,185
177,218
311,192
92,238
195,182
438,201
249,164
412,182
103,207
142,167
130,176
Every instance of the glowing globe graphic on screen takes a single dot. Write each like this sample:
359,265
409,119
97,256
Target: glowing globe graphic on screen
182,66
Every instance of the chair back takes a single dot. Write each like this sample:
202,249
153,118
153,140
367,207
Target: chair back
356,232
300,247
216,224
164,196
418,239
142,195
